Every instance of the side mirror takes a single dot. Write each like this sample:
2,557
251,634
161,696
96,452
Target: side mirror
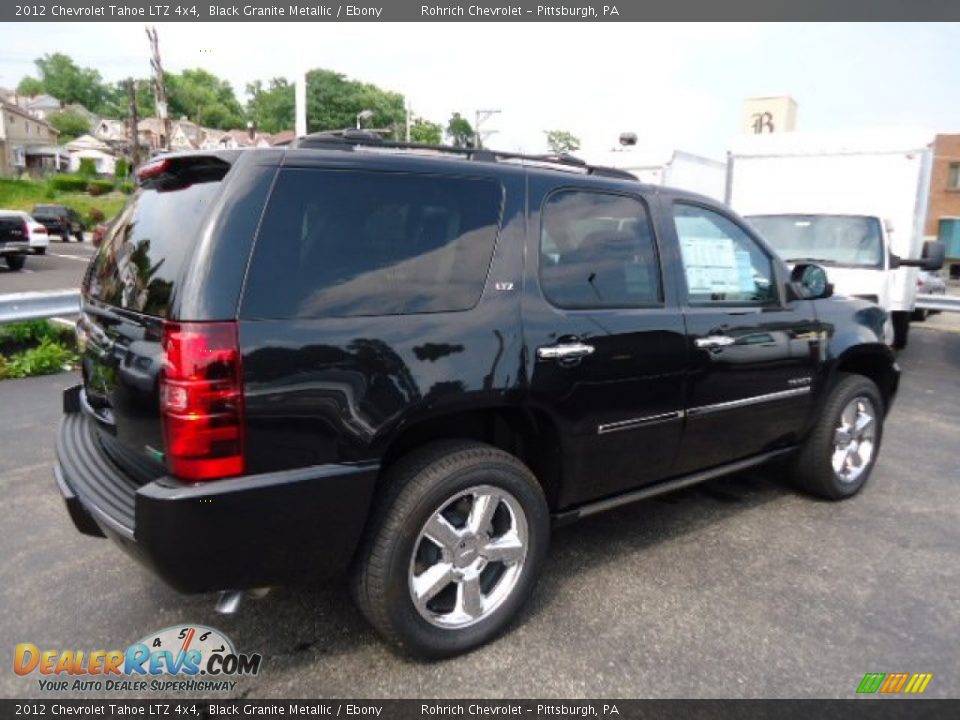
933,254
931,257
809,282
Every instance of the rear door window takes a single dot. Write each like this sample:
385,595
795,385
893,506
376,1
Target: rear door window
337,243
597,251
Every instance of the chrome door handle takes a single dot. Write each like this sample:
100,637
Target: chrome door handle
566,351
712,341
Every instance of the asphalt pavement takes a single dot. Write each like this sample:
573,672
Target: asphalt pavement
60,269
735,588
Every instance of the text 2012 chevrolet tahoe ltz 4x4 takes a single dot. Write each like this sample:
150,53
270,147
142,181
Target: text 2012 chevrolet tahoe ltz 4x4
350,357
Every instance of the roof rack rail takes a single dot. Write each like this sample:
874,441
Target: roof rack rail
350,138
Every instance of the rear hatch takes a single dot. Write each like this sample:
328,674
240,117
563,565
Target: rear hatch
52,217
13,229
128,294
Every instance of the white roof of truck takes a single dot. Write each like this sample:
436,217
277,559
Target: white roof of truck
876,140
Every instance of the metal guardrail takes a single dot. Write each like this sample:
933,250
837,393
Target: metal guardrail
944,303
15,307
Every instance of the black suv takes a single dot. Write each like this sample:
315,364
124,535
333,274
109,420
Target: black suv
407,364
59,220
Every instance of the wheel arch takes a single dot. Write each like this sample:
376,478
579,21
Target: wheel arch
528,434
875,362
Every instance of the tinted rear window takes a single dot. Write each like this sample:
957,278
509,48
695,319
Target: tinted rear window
146,247
340,244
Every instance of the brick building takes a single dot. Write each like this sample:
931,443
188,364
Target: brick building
943,212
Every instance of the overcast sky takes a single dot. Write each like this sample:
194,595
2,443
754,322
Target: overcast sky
677,86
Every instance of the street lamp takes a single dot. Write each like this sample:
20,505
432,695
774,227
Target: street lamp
363,115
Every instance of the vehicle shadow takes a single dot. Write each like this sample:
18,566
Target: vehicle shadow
304,625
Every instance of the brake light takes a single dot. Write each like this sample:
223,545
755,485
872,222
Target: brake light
201,400
154,167
40,230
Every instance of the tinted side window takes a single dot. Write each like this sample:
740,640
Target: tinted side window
339,244
722,263
597,251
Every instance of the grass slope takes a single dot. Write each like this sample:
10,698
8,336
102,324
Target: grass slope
24,194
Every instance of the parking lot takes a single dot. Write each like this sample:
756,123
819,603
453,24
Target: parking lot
736,588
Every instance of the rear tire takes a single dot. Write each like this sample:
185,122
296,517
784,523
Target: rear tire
901,328
40,251
836,459
464,528
16,262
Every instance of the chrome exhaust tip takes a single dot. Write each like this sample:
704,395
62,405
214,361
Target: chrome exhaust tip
229,602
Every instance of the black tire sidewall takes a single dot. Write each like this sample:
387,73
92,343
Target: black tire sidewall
849,388
413,631
16,262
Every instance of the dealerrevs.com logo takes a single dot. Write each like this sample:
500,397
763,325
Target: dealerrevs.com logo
176,659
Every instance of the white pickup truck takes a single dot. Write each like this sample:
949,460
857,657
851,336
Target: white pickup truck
854,203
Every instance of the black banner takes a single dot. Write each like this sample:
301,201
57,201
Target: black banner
482,11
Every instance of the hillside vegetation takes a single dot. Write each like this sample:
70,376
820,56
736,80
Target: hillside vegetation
24,194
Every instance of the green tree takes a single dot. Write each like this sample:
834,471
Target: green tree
30,86
203,98
333,102
65,80
271,108
460,131
116,103
70,123
561,141
424,131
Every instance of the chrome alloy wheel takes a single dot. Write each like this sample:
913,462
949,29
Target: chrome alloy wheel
468,557
853,439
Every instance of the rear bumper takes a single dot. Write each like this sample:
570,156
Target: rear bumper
250,531
14,246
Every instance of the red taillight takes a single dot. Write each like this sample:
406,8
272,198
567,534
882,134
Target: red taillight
40,230
201,399
154,167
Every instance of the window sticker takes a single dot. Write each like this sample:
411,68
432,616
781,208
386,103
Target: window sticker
713,267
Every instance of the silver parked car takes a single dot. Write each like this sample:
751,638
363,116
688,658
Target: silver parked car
929,283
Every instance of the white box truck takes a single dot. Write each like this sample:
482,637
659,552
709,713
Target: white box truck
852,202
673,168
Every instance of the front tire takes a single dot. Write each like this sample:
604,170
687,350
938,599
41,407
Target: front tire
16,262
835,461
455,548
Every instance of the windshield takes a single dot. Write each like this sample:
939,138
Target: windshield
830,239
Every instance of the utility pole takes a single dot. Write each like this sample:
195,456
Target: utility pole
159,87
407,119
480,117
134,129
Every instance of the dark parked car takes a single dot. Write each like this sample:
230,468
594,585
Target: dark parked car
59,220
351,356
